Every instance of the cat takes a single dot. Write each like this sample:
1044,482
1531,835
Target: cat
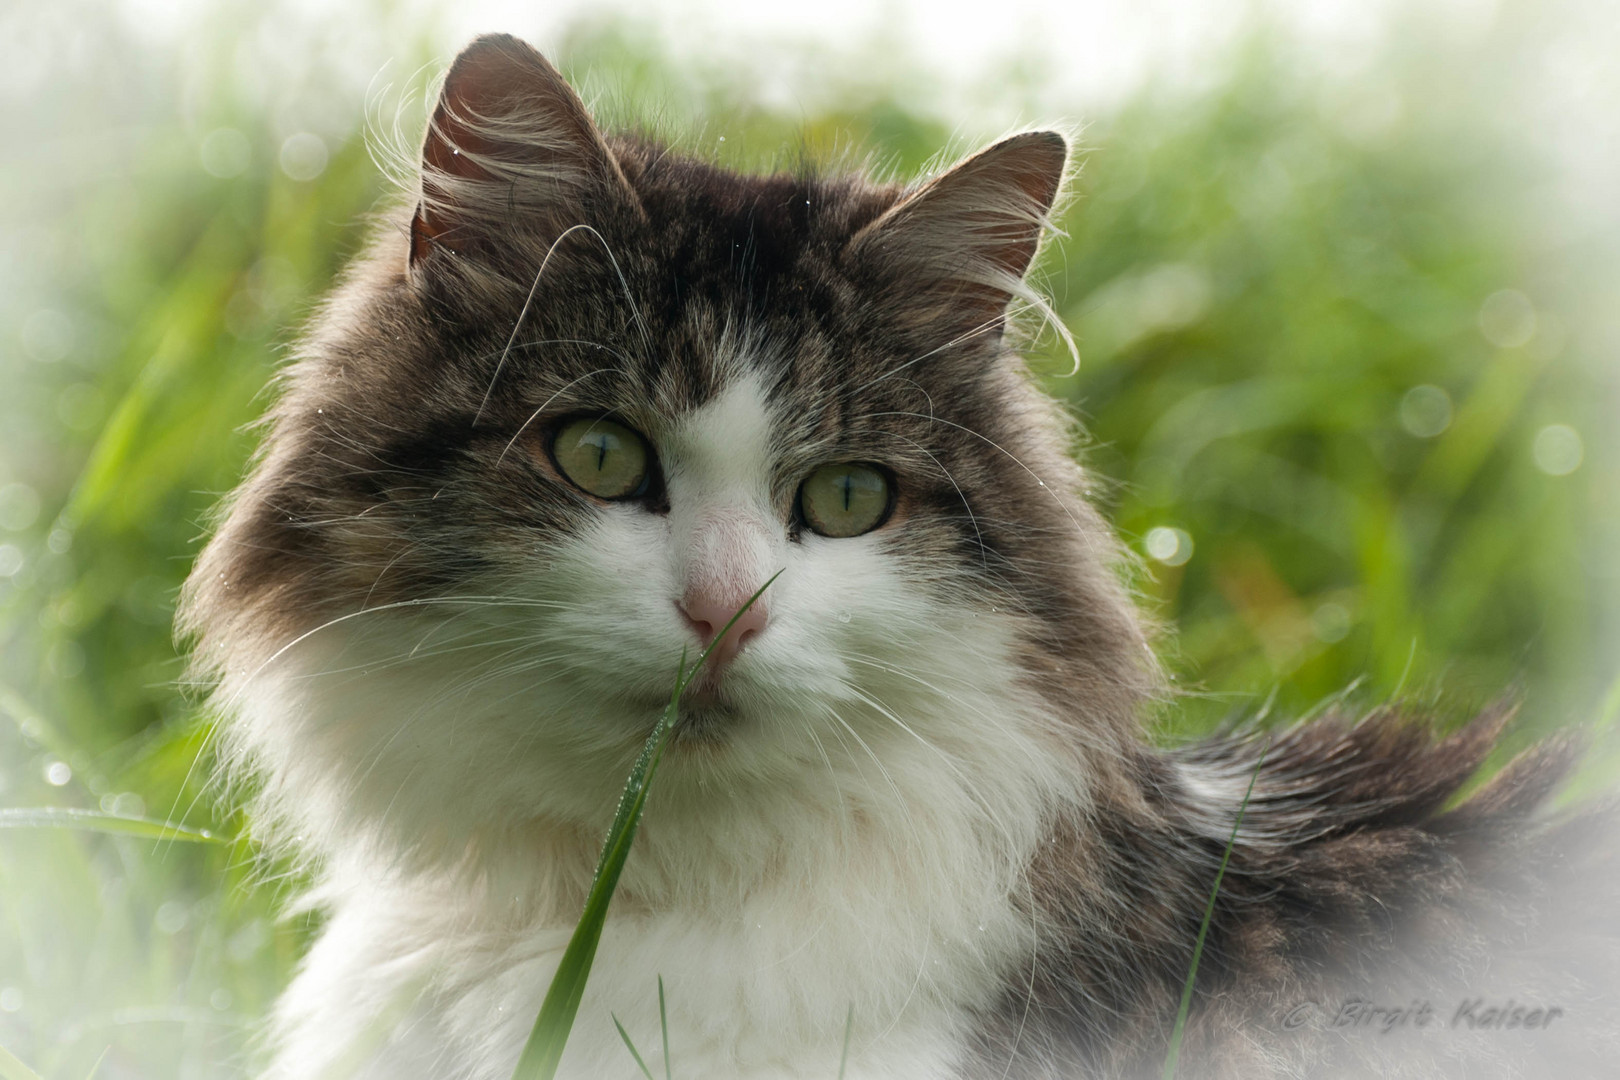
579,399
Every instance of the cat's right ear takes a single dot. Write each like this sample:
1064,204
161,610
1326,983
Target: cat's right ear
509,148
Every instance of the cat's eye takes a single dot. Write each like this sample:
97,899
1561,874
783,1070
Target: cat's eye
845,500
603,458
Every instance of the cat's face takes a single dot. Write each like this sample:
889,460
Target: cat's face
550,442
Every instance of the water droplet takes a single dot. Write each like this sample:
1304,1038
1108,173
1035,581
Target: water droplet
843,616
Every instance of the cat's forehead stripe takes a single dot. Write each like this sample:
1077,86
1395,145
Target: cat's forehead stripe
728,439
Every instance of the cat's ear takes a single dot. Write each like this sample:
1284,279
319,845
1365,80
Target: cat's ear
509,141
967,236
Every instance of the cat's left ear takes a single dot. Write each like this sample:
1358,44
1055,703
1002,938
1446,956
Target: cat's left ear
968,235
510,150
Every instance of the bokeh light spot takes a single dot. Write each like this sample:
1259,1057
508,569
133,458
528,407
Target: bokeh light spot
1168,545
1507,318
1425,411
303,156
1558,450
225,153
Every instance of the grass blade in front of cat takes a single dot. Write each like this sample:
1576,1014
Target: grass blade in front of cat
543,1051
11,1068
663,1013
1203,928
625,1035
55,817
849,1026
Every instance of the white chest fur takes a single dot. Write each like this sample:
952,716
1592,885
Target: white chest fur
775,906
762,1000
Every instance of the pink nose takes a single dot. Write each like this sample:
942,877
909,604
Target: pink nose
708,612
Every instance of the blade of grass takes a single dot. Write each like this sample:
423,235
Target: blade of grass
49,817
91,1075
543,1051
13,1069
1611,704
1203,927
663,1019
625,1035
849,1025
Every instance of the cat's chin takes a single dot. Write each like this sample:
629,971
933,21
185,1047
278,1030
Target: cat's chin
705,725
706,713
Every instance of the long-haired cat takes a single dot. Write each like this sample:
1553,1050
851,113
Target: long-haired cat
580,398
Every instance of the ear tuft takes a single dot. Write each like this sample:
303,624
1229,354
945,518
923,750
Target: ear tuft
509,138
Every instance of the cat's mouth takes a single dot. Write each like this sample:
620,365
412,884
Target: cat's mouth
705,712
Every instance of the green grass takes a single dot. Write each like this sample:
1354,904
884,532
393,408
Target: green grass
663,1028
544,1049
1257,286
46,817
12,1069
1173,1055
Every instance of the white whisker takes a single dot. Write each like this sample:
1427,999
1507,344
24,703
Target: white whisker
523,314
972,332
1080,529
542,408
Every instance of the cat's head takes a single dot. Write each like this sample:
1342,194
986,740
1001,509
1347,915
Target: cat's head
583,397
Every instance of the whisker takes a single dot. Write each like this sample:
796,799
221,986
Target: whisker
396,605
968,786
998,447
646,336
523,313
882,769
973,520
957,340
543,406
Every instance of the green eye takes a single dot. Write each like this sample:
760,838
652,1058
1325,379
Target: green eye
607,460
845,500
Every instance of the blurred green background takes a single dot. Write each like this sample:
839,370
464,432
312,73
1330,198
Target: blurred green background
1348,373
